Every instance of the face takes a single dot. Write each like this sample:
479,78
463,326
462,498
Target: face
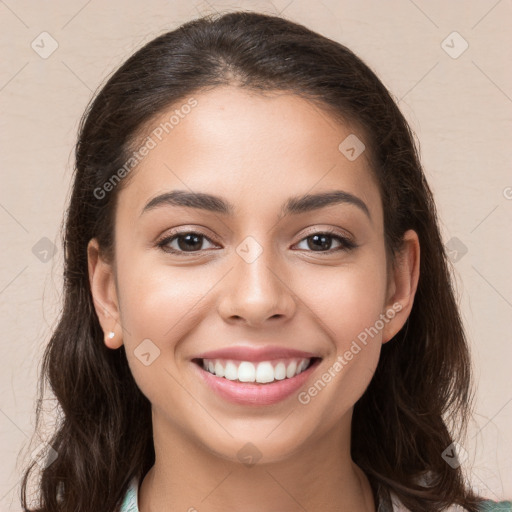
307,280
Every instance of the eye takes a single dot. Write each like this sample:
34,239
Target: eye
186,241
192,241
322,242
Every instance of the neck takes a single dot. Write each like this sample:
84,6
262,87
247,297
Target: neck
319,476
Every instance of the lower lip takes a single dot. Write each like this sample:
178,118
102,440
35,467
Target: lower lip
249,393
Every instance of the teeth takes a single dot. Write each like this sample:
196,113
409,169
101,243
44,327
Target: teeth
263,372
219,369
231,371
280,371
291,369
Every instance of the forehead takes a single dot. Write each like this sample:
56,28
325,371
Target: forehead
252,148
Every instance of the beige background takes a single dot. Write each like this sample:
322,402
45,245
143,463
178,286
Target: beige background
460,108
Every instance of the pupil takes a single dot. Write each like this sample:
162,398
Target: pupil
323,242
190,239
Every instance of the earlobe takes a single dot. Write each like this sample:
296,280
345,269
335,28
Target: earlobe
103,290
402,285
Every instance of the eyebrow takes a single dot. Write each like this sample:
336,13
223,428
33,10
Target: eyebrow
293,206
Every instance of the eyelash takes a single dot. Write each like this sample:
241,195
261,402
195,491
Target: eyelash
346,244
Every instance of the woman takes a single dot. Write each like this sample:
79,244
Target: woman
258,313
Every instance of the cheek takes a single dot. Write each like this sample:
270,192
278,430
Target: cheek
161,302
348,307
348,303
160,306
348,299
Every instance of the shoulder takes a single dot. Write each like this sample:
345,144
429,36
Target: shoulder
130,500
485,506
496,506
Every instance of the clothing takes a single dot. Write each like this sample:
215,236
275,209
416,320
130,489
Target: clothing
130,502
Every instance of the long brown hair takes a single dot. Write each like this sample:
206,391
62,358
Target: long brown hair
419,398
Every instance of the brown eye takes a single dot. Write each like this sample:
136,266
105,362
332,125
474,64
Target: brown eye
322,242
186,241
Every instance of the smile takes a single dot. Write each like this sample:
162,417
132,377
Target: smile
251,383
263,372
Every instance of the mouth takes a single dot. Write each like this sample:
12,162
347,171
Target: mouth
264,383
261,373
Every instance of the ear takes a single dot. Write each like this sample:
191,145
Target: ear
103,289
402,284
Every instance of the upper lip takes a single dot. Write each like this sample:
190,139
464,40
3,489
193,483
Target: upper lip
255,354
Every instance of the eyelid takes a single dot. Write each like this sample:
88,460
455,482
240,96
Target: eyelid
330,231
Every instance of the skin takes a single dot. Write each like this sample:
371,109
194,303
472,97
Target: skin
255,151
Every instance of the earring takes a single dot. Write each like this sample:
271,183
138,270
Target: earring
111,334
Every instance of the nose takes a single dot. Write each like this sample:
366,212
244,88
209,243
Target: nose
257,291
